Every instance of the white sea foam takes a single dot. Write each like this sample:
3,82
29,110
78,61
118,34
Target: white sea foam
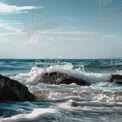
36,74
69,102
99,90
32,117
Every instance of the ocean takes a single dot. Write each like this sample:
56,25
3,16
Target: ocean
99,102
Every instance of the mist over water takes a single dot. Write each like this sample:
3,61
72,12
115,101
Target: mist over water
101,101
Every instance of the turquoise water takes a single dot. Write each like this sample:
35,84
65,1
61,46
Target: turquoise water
91,65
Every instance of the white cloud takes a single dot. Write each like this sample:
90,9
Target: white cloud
7,26
2,39
5,8
66,36
74,33
52,44
37,31
4,34
32,32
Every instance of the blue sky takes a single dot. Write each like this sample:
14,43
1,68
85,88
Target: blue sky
60,28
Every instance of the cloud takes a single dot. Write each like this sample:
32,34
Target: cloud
66,36
77,33
5,8
5,34
73,35
7,26
34,31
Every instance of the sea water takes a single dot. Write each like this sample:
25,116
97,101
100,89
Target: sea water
99,102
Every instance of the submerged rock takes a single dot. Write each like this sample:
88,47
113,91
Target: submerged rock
41,95
61,78
12,90
115,78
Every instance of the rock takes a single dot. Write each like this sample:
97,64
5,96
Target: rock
115,78
61,78
12,90
41,95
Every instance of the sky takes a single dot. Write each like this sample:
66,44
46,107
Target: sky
80,29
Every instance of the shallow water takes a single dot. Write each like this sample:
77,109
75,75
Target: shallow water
99,102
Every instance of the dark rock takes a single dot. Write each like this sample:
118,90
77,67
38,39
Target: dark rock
115,78
12,90
61,78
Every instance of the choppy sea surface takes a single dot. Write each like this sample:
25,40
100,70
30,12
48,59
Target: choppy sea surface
99,102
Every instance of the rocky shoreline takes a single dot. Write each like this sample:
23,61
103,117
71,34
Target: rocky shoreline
13,90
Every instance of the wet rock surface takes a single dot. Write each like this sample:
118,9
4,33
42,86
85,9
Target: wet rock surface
61,78
115,78
12,90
